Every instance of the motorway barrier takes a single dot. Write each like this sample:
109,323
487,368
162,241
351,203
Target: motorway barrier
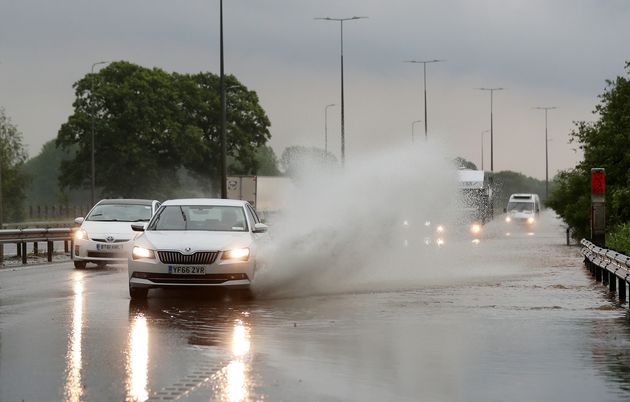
23,236
608,266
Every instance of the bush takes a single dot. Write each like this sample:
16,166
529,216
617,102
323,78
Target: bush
619,239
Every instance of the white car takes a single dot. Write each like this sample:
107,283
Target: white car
105,234
196,243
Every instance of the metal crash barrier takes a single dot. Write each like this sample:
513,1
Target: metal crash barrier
608,266
21,237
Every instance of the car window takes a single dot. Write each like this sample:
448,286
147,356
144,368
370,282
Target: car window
120,213
203,217
253,213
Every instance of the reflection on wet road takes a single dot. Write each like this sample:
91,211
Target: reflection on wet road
523,322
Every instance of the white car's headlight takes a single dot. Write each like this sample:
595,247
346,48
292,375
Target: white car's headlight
475,228
508,219
241,254
530,220
141,252
80,235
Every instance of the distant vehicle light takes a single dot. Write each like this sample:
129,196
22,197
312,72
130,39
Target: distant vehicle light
476,241
80,235
405,223
508,219
440,228
530,220
475,228
440,242
427,223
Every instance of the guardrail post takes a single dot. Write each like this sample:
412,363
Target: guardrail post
568,238
23,246
65,246
72,249
604,276
612,283
1,254
50,248
598,273
35,248
19,249
622,289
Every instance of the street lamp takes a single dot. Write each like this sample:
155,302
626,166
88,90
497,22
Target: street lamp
413,123
93,187
223,111
424,63
326,126
482,133
343,137
546,109
491,90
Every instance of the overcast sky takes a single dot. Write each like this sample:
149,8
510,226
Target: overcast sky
545,53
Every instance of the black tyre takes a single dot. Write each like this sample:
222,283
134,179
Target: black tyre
79,264
138,293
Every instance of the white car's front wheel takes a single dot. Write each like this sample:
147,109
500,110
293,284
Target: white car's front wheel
138,293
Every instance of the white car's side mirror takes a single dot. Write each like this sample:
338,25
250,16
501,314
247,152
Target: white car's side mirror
79,220
138,228
260,228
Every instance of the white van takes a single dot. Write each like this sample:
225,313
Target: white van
523,208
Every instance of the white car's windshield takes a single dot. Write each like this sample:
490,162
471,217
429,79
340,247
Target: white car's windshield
120,213
200,217
520,206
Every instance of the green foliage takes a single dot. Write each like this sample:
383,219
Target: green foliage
44,170
606,144
462,163
14,179
296,158
508,182
619,239
149,124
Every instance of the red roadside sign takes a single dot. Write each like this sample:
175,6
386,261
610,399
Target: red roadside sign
598,181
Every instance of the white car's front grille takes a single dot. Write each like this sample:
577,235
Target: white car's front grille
175,257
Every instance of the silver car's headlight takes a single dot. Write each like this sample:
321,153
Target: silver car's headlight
141,252
241,254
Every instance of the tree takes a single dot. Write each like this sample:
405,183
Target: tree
296,158
606,144
13,177
462,163
150,124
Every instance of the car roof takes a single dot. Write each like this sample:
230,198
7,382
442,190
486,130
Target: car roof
206,201
126,201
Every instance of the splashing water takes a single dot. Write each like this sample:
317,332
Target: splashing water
361,228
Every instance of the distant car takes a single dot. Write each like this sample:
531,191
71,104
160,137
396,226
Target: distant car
522,209
105,234
196,243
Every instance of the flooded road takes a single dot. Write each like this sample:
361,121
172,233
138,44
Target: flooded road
516,317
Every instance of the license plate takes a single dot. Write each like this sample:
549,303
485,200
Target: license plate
186,269
101,247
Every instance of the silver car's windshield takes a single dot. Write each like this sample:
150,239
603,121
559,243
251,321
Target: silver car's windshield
200,217
120,213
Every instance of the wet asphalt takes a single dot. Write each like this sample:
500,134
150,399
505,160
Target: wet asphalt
531,325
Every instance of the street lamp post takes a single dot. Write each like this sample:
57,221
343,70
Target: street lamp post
491,90
326,126
223,111
93,162
343,138
482,133
413,123
546,109
424,64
